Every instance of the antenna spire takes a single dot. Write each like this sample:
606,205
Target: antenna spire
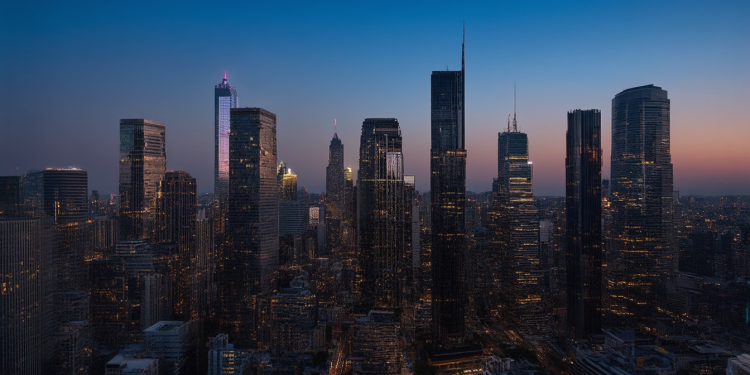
508,123
515,123
334,127
225,74
463,43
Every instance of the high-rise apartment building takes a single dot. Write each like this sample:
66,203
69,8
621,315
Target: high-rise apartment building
519,227
641,203
335,190
175,222
448,198
583,233
143,162
382,213
250,257
225,98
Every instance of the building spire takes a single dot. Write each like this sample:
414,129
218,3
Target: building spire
463,43
335,132
515,123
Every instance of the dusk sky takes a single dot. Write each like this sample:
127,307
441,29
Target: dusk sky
70,72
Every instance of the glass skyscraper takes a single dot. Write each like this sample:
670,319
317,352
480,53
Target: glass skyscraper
519,228
225,98
583,232
448,198
382,213
251,255
143,162
642,203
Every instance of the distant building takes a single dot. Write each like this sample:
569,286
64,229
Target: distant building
169,341
375,344
335,195
143,162
739,365
225,98
292,318
123,364
221,356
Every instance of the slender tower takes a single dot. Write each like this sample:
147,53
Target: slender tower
583,232
334,194
448,198
225,98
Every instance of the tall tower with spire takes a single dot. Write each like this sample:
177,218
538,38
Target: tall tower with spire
335,186
516,232
448,198
225,97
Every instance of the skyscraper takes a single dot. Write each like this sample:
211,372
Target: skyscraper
642,202
251,255
335,186
175,222
448,198
519,224
583,181
143,162
225,98
382,213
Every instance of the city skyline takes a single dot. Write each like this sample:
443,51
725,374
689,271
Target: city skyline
707,91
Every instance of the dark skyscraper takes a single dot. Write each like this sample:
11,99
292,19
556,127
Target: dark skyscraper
143,162
175,222
334,194
382,213
251,255
225,98
642,202
448,198
583,181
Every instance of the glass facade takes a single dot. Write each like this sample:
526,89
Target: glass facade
225,98
642,203
448,200
143,162
583,182
382,210
250,257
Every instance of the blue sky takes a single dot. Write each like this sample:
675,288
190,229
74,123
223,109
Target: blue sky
68,73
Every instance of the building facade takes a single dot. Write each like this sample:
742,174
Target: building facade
641,203
225,98
448,200
250,257
583,181
143,162
335,190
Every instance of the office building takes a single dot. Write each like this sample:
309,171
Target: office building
335,190
143,162
448,199
519,227
250,258
641,203
583,233
375,343
225,98
293,313
383,223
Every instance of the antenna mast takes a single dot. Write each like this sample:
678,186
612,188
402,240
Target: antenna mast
515,124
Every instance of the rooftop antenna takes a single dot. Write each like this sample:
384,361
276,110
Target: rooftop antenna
334,127
463,42
515,124
446,67
508,123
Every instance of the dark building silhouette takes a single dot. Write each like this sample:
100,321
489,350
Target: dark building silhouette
175,222
642,203
250,257
335,189
143,162
583,181
382,213
225,98
448,193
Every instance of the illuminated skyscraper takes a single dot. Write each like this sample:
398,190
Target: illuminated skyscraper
519,224
251,256
335,188
642,202
448,198
382,213
175,222
583,181
225,98
143,162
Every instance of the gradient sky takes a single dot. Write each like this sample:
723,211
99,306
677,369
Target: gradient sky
69,72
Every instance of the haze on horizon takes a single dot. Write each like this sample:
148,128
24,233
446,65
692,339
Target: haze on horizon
68,74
